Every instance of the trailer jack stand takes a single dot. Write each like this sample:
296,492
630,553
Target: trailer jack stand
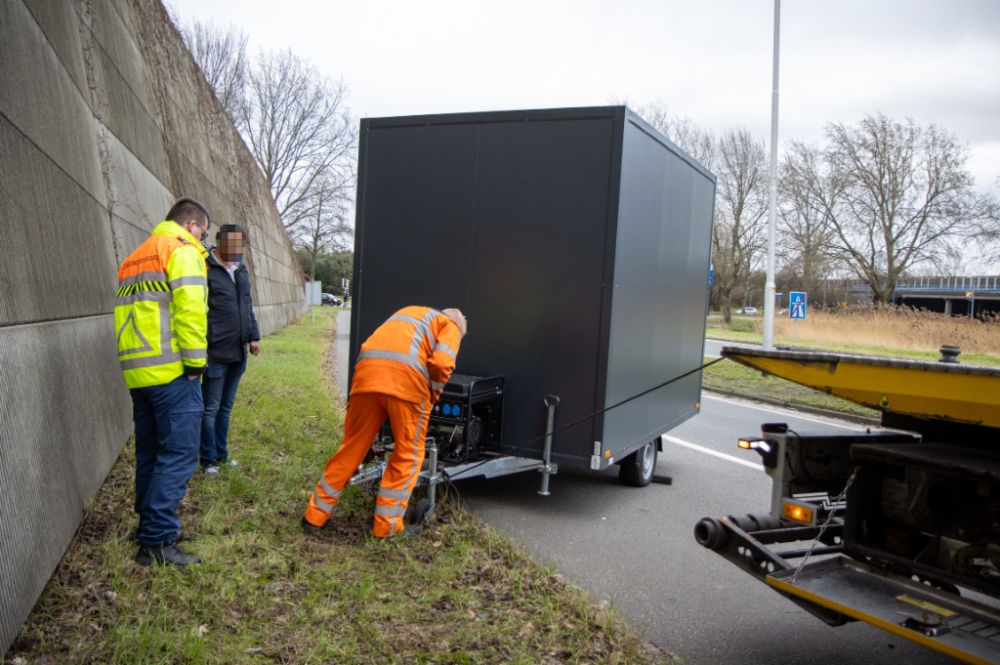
551,401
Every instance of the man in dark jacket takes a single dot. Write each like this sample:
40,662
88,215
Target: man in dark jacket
231,327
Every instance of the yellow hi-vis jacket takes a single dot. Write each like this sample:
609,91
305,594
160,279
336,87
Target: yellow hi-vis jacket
161,314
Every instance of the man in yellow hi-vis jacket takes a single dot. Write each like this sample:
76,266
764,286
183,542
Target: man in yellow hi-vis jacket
161,321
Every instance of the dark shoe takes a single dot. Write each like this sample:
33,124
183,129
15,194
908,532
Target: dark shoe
170,554
310,529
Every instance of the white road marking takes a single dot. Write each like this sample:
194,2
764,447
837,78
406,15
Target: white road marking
784,411
715,453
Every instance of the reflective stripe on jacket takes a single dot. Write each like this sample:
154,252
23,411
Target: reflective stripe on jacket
410,356
162,308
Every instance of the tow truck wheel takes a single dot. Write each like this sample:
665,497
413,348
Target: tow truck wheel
420,511
637,469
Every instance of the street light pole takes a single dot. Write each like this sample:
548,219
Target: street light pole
772,214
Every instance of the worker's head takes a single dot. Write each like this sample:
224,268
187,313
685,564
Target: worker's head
459,319
192,216
230,240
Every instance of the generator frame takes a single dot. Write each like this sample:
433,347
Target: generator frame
488,465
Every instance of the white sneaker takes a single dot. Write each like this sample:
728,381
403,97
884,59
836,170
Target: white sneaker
212,471
234,464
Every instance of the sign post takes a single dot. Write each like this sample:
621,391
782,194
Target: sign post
796,311
314,296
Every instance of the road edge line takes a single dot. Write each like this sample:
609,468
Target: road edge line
715,453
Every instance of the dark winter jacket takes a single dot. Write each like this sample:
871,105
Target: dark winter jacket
231,321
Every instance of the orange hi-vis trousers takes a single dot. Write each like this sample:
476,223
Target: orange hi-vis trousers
365,414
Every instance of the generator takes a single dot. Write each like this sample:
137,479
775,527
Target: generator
468,419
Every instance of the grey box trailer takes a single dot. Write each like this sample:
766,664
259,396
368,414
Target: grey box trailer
577,241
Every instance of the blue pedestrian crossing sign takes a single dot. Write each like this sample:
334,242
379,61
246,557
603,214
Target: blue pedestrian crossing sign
797,305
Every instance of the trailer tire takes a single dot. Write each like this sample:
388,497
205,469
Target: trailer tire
637,469
420,511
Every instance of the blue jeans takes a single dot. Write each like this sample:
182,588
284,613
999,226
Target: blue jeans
218,388
166,454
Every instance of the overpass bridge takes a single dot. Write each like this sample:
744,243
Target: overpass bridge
966,296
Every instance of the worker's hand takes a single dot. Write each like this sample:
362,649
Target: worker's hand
192,378
255,347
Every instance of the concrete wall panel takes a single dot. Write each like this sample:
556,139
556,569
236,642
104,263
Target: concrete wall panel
104,121
127,118
103,20
56,240
59,23
39,97
62,404
139,196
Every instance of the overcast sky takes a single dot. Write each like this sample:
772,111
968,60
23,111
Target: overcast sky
934,61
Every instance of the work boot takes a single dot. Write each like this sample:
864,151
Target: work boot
411,531
310,529
171,554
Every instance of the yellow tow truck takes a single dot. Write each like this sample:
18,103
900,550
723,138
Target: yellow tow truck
898,527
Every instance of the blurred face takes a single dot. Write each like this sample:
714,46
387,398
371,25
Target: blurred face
231,247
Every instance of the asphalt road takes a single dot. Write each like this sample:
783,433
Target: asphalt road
713,347
634,547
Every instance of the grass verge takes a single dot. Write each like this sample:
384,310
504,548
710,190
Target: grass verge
268,594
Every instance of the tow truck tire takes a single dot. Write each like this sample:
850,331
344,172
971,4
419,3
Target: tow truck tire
637,469
420,511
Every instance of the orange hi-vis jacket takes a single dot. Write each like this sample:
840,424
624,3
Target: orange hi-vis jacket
161,313
411,356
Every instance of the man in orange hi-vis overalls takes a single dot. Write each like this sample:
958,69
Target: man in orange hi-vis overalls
400,373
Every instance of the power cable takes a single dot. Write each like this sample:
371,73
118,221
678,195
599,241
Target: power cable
508,453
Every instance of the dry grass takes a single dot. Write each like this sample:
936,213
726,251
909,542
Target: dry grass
883,330
896,328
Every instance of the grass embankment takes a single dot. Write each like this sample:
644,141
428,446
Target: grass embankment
879,331
267,593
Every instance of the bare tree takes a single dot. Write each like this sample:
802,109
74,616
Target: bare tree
326,229
222,56
893,194
987,229
741,206
804,237
300,131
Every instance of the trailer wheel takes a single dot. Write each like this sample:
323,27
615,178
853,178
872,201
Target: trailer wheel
637,469
420,511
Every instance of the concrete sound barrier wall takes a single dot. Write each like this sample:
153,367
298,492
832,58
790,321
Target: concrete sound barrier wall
104,120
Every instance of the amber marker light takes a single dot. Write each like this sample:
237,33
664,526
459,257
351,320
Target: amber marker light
744,444
798,512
